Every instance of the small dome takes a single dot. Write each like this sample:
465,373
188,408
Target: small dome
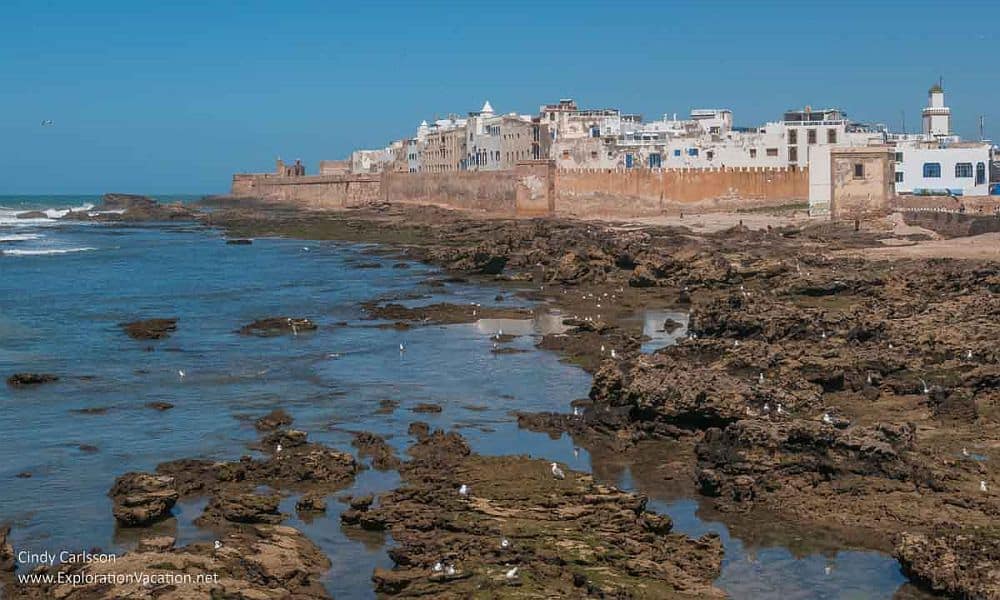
936,89
487,108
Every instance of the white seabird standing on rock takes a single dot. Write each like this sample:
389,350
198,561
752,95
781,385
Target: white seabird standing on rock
557,472
504,543
982,485
218,545
463,490
511,574
827,419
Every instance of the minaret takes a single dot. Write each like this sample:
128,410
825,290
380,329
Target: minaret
937,116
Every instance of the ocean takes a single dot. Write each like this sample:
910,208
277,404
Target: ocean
66,287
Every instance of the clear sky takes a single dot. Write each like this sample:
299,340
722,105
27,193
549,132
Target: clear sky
175,96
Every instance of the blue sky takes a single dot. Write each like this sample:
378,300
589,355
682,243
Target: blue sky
161,97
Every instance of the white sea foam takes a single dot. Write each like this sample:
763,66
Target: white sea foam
20,237
45,251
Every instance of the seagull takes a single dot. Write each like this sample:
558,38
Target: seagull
218,544
781,411
450,570
613,355
180,373
823,335
438,567
464,490
576,411
277,449
760,378
576,452
968,355
557,472
736,344
965,452
827,419
828,569
982,485
926,389
402,348
305,248
46,122
504,543
511,574
602,348
869,379
767,407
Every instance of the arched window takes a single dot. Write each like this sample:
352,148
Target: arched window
980,173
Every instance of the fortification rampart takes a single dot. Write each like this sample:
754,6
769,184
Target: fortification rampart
538,188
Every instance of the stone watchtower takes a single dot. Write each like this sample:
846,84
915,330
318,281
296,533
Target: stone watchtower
937,116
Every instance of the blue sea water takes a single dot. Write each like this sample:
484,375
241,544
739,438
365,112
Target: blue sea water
65,288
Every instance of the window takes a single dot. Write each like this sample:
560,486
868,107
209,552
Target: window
772,151
692,152
831,136
677,152
710,154
793,137
629,160
811,136
793,154
963,170
593,154
565,153
899,177
899,157
980,173
932,169
654,160
753,153
859,170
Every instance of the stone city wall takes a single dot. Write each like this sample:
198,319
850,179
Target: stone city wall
538,188
636,192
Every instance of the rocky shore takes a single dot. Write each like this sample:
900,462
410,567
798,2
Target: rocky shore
828,389
811,385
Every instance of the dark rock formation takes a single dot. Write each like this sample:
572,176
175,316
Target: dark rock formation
150,329
27,379
272,326
141,498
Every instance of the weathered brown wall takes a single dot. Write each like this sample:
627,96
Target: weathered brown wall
952,224
635,192
310,191
853,197
537,188
490,191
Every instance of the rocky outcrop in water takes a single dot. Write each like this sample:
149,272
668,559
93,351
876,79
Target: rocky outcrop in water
150,329
542,537
141,498
957,563
7,561
263,562
30,379
273,326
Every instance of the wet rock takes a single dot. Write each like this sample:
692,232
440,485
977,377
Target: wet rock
278,326
311,502
24,475
386,406
160,406
265,562
239,242
427,407
418,429
381,453
242,507
32,214
7,559
367,265
88,448
441,313
29,379
141,498
957,563
643,277
150,329
273,420
157,544
561,534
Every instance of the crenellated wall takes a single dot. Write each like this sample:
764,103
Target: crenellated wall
538,188
636,192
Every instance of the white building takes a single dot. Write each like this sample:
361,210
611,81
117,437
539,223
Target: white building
942,168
